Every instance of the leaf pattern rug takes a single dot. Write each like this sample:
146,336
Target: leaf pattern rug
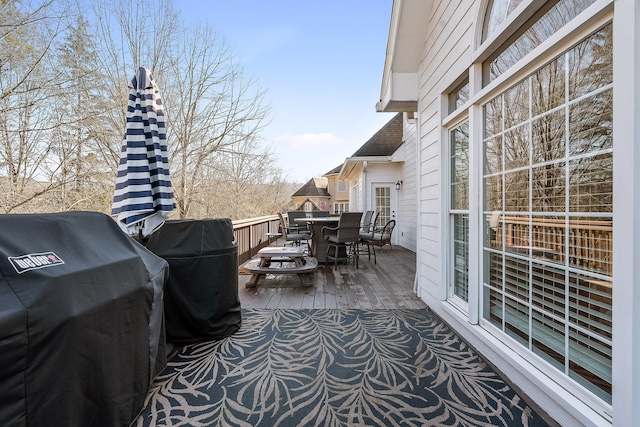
334,368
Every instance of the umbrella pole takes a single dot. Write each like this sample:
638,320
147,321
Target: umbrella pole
141,239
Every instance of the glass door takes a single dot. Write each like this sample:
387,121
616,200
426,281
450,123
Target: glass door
384,203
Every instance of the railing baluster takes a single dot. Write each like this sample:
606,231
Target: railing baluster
590,241
250,233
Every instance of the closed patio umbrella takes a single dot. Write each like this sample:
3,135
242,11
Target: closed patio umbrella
143,195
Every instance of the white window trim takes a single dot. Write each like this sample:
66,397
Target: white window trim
459,303
586,407
626,222
593,402
579,28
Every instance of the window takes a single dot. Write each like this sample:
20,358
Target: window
342,186
548,186
459,211
340,207
496,14
556,14
459,96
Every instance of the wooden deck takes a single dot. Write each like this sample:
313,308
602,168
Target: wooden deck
387,285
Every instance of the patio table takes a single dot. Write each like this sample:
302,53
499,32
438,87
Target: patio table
294,257
318,243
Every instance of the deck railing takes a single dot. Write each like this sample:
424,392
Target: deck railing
251,235
590,241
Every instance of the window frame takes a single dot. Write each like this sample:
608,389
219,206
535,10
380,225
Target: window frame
339,207
588,22
452,213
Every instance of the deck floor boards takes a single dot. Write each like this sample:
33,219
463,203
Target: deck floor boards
385,285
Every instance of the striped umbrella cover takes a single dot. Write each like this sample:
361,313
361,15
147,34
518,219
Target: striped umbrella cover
143,196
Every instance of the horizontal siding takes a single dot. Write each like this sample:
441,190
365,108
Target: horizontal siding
408,204
446,57
449,47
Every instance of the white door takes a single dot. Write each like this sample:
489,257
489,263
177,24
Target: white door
384,202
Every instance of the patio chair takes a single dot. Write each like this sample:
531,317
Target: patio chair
381,237
366,220
344,238
293,238
366,232
296,227
320,214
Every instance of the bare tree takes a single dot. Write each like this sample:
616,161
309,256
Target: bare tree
130,34
211,109
209,104
28,36
250,184
63,97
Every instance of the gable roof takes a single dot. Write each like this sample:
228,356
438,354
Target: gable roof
311,190
378,149
385,142
334,170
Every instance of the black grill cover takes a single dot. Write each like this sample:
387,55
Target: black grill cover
81,333
201,296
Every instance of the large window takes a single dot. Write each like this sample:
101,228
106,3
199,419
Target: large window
556,14
459,211
548,185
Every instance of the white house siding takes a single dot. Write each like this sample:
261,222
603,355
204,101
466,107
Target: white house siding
407,201
356,192
447,56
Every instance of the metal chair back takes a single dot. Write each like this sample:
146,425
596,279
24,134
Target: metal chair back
366,221
349,227
320,214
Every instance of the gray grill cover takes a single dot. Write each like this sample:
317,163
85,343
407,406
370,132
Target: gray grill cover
81,321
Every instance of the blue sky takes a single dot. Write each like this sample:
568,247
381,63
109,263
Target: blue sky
321,63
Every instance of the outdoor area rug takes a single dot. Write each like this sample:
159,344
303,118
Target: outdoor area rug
334,368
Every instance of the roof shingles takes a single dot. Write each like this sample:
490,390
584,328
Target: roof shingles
385,142
310,190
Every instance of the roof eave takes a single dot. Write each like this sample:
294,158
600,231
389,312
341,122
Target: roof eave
407,34
351,163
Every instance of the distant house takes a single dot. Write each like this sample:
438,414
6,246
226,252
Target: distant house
338,191
379,176
313,196
516,115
